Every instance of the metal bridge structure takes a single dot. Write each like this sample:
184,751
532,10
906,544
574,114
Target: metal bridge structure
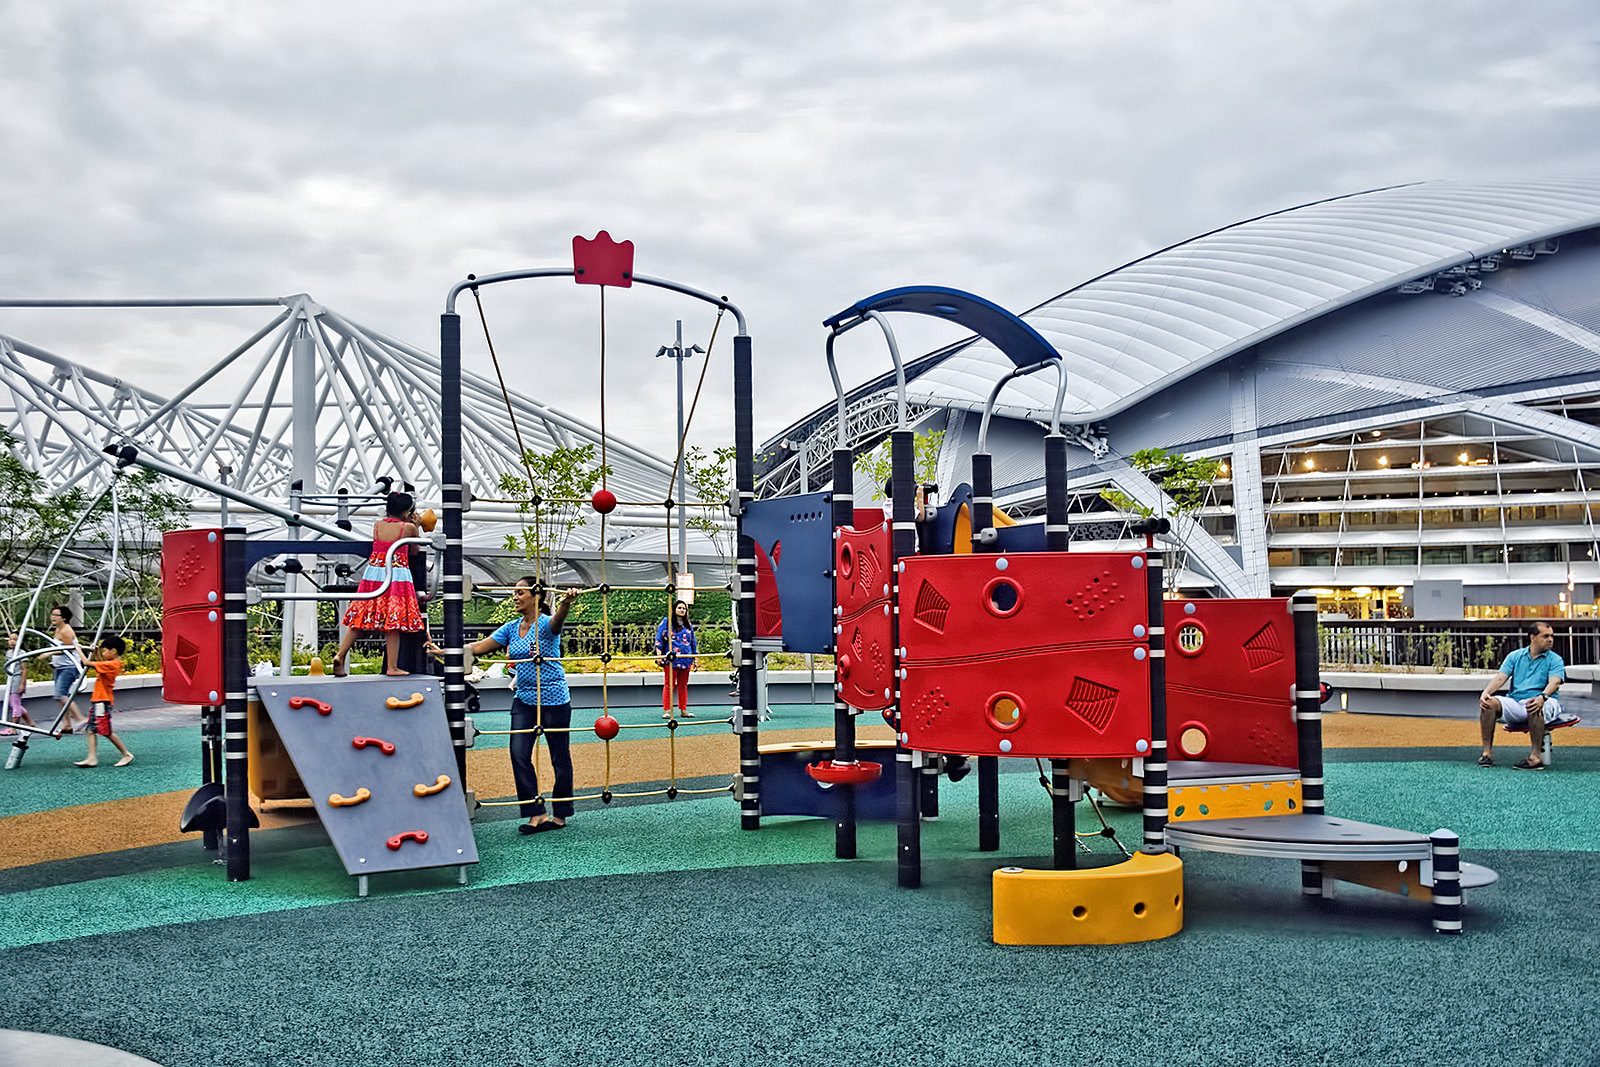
321,405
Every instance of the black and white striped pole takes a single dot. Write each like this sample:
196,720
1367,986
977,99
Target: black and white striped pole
745,481
236,706
983,540
1445,847
903,544
1308,723
844,721
1065,791
1155,761
452,582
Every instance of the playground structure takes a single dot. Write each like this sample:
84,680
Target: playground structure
1089,685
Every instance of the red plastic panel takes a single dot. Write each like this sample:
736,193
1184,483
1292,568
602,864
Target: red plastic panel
769,610
1230,681
1036,654
191,617
191,655
602,261
865,661
191,569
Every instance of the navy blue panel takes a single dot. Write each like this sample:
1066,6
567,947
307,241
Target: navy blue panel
1026,538
1021,343
803,525
944,522
786,788
256,551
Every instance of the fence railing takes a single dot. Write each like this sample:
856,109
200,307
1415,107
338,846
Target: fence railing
1442,644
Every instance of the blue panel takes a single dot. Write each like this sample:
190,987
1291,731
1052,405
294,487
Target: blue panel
803,526
1021,343
1025,538
944,522
786,788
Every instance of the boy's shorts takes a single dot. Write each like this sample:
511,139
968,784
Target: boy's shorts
66,681
100,719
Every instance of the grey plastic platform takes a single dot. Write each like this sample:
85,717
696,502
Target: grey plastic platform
328,762
1300,837
1208,772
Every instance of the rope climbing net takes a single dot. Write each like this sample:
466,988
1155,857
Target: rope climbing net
604,502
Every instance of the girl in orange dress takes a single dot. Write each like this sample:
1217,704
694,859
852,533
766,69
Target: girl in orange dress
395,612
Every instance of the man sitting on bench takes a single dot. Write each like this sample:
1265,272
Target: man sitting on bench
1535,673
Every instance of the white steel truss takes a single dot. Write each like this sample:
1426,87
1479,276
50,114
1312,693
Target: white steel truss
322,400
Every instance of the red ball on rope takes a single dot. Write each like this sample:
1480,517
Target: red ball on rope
605,727
604,501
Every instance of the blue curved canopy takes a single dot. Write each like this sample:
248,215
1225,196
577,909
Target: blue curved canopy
1021,343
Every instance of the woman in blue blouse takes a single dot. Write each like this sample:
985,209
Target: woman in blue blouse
675,645
540,687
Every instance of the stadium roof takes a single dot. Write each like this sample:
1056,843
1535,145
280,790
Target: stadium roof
1135,330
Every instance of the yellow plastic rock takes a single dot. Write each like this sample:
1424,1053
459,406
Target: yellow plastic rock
1139,899
316,666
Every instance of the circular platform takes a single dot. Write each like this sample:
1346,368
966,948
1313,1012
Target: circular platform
20,1046
1300,837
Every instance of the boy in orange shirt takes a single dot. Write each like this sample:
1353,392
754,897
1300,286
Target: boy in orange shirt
107,664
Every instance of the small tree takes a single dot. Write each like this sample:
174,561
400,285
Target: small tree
561,480
878,464
710,476
1184,480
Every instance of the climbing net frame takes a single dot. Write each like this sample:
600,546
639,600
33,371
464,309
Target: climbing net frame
614,274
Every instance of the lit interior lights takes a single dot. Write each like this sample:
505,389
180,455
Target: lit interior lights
1464,459
1383,461
1310,464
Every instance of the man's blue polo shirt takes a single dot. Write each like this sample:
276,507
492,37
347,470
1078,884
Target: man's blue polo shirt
1529,676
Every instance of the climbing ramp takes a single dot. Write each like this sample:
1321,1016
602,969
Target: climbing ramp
375,756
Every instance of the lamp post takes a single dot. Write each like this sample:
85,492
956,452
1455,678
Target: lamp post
677,353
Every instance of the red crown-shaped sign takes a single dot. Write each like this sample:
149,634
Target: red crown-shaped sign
602,261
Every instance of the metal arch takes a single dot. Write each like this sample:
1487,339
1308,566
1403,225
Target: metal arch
1020,342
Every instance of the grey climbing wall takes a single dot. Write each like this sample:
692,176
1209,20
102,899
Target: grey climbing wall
344,736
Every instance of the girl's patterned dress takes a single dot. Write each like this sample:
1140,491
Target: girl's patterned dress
397,608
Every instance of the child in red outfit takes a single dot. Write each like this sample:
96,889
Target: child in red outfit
107,664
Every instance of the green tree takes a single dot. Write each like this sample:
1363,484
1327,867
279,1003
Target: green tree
878,464
710,476
1185,481
552,493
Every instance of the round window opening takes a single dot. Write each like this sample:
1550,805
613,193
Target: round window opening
1005,711
1191,639
1002,597
1193,741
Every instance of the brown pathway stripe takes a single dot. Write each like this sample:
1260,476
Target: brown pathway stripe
139,822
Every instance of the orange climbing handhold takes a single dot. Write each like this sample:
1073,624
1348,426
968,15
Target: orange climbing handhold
323,708
428,790
362,794
410,702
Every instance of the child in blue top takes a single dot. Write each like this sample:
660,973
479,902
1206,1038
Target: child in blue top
541,700
675,645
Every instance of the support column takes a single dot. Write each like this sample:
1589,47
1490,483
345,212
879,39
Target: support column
988,766
1155,761
451,582
844,720
1308,722
903,544
236,701
744,464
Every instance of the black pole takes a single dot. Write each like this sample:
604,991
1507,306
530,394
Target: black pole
988,766
1057,533
844,720
1155,761
744,462
902,544
455,656
210,763
236,698
1063,817
1308,723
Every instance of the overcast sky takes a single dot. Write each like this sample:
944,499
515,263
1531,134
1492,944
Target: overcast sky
795,157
